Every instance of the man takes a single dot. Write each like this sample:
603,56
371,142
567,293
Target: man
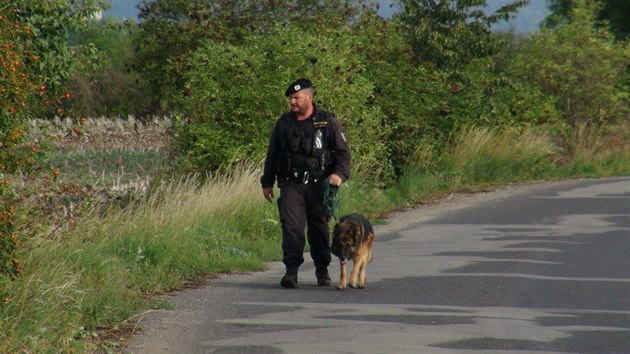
307,146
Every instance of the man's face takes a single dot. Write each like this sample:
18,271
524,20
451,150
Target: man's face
301,101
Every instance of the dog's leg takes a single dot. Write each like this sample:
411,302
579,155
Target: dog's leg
362,273
365,259
342,279
361,260
357,261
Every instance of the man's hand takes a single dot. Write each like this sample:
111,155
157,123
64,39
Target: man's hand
268,193
334,180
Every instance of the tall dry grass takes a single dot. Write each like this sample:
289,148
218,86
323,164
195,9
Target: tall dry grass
600,142
99,273
485,155
187,201
476,157
598,151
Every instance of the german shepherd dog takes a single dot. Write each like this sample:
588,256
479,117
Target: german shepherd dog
352,239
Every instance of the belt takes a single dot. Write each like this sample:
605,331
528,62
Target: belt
301,177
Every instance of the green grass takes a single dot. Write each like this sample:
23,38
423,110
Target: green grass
107,269
101,272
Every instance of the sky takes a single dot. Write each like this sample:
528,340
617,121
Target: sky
526,21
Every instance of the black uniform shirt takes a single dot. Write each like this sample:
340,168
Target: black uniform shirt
336,143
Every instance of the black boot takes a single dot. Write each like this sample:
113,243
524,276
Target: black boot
323,279
290,279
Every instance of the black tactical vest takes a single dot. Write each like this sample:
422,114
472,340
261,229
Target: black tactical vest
304,150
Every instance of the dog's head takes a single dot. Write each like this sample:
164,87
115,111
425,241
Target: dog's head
346,239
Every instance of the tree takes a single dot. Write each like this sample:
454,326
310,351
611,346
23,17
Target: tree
583,67
448,34
558,12
107,86
615,12
49,25
34,62
172,29
406,94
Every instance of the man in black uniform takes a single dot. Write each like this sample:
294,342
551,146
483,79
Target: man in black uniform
307,146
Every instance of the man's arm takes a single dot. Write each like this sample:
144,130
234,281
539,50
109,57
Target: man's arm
269,170
342,157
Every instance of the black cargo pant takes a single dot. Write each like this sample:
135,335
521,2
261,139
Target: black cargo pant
299,205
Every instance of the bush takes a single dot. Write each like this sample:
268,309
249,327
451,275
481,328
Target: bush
235,94
423,105
481,94
583,68
18,90
34,62
9,264
407,95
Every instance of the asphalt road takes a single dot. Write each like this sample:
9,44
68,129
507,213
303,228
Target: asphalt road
539,268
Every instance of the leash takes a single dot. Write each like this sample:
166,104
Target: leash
331,199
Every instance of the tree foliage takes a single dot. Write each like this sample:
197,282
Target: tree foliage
106,85
408,95
615,12
36,59
235,94
581,65
449,34
172,29
50,23
34,62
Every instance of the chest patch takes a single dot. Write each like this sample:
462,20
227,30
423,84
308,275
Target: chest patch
320,124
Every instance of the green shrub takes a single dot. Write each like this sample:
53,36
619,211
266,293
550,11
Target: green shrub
582,66
407,95
170,30
483,95
34,62
423,106
235,94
